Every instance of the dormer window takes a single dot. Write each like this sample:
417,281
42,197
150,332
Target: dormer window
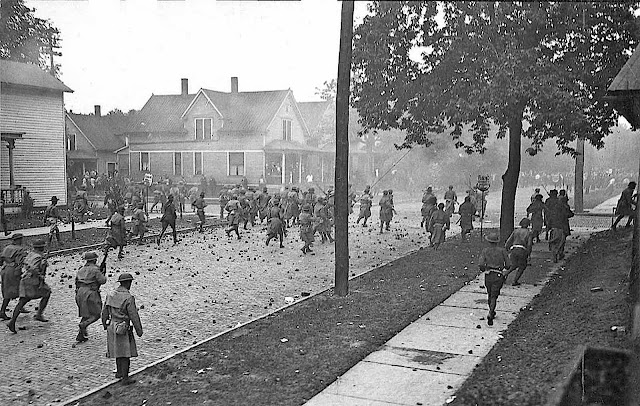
204,128
286,130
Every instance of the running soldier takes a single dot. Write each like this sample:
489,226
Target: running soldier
11,260
429,202
386,211
466,211
52,217
117,232
139,223
118,312
32,284
306,228
519,245
199,204
168,218
365,207
626,205
275,229
536,210
438,224
234,217
88,281
494,260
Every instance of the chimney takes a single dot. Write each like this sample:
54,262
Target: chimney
234,84
185,87
96,109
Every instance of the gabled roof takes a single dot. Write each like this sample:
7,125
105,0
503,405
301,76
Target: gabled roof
628,79
247,111
161,113
100,131
312,113
27,74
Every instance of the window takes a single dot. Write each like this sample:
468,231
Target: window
197,163
145,165
71,142
204,128
286,130
177,163
236,163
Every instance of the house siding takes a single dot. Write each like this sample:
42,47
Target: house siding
82,144
274,131
39,156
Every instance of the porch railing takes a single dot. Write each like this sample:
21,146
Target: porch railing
13,197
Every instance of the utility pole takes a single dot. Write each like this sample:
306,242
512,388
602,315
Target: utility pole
579,169
342,151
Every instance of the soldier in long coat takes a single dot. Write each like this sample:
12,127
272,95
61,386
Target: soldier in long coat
11,260
32,284
88,281
365,207
386,211
466,211
536,210
117,232
118,314
438,224
429,202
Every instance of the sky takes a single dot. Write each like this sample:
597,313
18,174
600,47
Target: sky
117,53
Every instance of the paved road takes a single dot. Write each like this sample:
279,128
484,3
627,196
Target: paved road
186,293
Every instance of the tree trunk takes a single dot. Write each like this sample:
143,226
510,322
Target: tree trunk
342,152
510,177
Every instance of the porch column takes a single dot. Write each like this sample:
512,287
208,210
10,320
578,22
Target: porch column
284,171
11,145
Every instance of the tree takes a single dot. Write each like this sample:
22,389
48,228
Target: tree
328,91
529,68
26,38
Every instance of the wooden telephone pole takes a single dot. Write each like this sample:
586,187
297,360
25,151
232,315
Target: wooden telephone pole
342,151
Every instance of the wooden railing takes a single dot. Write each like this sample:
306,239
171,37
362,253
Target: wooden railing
13,197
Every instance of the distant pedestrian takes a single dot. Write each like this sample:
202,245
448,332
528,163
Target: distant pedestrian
519,245
88,281
12,259
168,219
52,217
494,261
275,229
199,204
32,284
626,205
118,313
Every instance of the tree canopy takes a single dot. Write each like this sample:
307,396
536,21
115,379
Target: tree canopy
25,37
533,69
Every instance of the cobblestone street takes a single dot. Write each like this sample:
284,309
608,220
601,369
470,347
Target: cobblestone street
203,286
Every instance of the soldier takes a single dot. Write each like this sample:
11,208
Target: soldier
365,206
52,217
494,260
27,205
466,211
626,205
386,210
351,198
557,215
274,207
306,228
32,284
451,199
292,209
429,202
3,218
117,232
11,260
118,312
275,229
168,219
536,192
223,199
157,199
519,246
81,204
438,224
263,204
139,222
536,210
234,217
88,281
199,204
253,205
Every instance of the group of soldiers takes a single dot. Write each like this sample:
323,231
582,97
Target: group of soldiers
23,276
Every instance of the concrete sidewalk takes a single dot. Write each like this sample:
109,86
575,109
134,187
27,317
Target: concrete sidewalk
429,360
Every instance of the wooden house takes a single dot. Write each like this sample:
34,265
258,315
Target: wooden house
32,127
224,135
92,141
